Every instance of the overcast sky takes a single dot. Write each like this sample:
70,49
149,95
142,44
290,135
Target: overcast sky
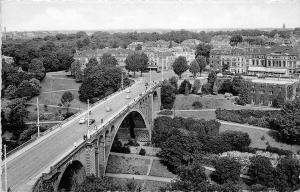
19,15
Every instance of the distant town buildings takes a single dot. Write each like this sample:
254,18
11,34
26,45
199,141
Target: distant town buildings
161,53
277,60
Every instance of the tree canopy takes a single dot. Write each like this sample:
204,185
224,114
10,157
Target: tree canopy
180,66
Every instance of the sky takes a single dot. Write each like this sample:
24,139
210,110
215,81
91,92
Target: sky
30,15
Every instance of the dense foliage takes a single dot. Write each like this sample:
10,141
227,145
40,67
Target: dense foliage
100,81
227,170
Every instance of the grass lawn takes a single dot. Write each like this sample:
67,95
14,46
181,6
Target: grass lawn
259,138
207,115
154,185
49,83
160,170
127,165
208,101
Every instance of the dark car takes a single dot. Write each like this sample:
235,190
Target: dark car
91,121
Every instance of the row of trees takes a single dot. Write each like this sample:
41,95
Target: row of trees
52,55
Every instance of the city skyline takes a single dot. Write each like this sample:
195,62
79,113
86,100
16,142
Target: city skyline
157,14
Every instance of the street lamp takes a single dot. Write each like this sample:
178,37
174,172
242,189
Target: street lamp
38,117
88,120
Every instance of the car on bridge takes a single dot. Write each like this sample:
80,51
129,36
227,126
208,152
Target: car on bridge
82,120
91,121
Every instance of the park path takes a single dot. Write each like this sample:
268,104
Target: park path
57,91
244,125
41,104
140,177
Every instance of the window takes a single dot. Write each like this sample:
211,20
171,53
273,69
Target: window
271,92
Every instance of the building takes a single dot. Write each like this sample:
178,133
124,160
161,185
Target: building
215,60
278,61
161,60
186,52
120,54
264,91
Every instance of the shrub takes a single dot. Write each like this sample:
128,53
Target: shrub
278,151
142,152
185,87
206,88
197,105
237,139
196,86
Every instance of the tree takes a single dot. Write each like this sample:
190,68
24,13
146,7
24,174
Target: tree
244,95
203,50
108,60
180,150
227,170
66,99
194,68
226,87
180,65
132,62
143,62
206,88
237,84
174,82
261,171
101,82
212,76
167,95
196,86
191,178
287,123
235,39
185,87
95,184
27,89
287,175
237,139
37,68
201,60
76,71
10,92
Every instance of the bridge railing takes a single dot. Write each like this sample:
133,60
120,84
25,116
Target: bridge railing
59,125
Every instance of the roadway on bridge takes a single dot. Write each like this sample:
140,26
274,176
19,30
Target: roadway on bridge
26,167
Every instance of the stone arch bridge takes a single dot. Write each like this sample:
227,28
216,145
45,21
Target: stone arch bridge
90,157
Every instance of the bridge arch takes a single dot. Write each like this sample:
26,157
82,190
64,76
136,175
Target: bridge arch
72,176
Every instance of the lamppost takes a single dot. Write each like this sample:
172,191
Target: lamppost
38,117
88,120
